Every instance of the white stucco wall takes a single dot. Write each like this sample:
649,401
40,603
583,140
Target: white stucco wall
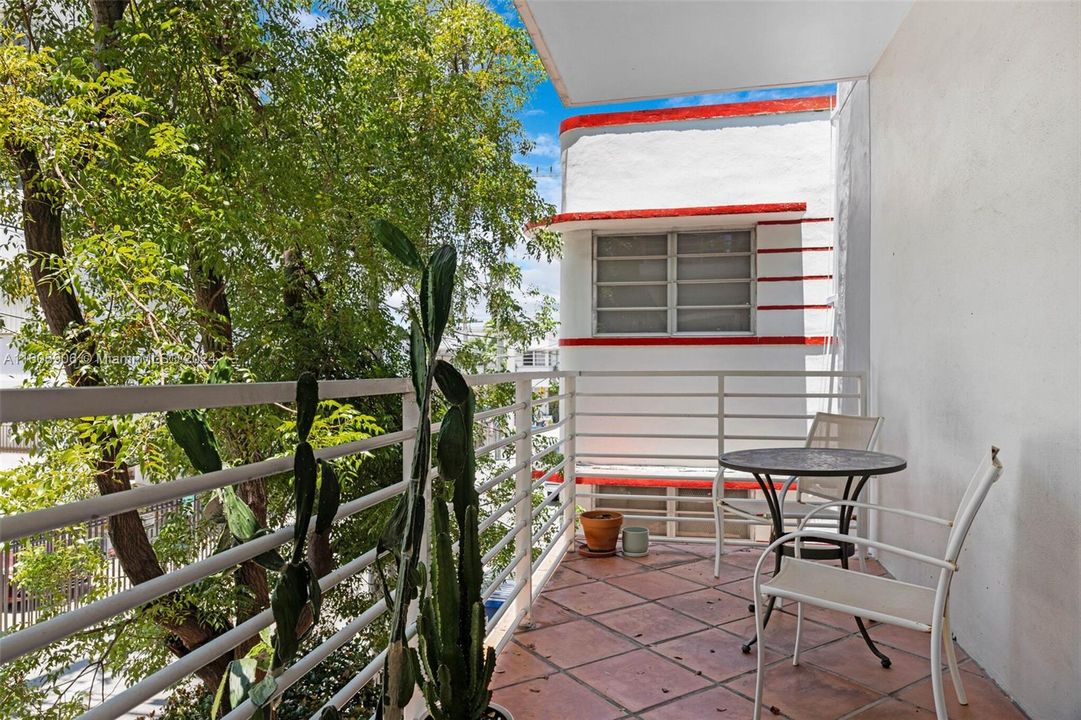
975,320
722,161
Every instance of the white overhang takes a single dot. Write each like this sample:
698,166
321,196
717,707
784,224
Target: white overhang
603,51
684,218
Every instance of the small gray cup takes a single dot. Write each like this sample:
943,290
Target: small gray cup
635,541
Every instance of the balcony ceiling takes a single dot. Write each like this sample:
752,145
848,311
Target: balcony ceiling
602,51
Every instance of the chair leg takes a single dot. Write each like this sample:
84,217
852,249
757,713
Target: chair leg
951,660
758,677
799,631
936,672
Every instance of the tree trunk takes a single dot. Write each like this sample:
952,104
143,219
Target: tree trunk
212,305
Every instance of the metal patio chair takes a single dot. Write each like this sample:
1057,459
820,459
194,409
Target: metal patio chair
877,598
849,432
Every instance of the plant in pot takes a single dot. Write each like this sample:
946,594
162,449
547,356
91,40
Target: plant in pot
452,664
601,528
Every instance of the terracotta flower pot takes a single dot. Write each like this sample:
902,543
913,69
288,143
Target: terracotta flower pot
601,528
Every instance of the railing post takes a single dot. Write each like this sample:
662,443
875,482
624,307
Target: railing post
523,510
718,494
570,487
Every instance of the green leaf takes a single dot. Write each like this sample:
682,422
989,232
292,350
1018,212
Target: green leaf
215,706
241,678
304,474
397,243
263,690
451,382
315,594
238,516
221,373
454,443
271,560
307,401
194,436
418,361
330,497
287,602
441,270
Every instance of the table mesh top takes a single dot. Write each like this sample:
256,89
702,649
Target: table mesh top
812,462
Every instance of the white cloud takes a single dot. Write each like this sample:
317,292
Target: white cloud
308,19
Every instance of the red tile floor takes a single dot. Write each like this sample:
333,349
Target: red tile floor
658,638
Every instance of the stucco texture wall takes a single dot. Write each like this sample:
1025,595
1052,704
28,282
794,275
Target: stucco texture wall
975,320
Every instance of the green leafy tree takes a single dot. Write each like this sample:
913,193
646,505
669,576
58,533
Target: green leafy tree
189,182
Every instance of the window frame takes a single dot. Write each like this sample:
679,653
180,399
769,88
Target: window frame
672,282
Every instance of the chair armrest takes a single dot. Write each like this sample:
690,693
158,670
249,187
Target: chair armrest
871,506
855,540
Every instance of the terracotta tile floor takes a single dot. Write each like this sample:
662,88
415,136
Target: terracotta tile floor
658,638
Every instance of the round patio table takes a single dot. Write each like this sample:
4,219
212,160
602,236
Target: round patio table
856,465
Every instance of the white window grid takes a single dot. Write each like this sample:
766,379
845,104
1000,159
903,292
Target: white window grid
673,283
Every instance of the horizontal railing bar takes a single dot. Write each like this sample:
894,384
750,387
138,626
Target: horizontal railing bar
765,416
304,665
25,404
674,518
547,449
647,414
805,396
647,394
658,456
31,523
511,534
502,442
552,398
716,373
799,438
494,585
550,427
182,667
548,498
619,496
495,412
659,436
61,626
501,511
505,475
550,473
550,522
548,550
362,678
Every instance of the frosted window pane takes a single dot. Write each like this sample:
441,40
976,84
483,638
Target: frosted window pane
632,296
739,241
632,321
713,268
631,270
624,245
713,320
715,294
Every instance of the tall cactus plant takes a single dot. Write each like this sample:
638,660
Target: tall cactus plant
453,665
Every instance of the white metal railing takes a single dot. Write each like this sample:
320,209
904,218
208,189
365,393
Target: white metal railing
598,421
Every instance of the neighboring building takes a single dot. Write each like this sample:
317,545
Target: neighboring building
708,229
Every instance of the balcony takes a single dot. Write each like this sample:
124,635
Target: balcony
658,636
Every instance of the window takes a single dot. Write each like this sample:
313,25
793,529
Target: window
670,283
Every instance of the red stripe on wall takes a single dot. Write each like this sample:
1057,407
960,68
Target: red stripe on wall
811,248
701,112
645,340
796,222
671,212
794,278
794,307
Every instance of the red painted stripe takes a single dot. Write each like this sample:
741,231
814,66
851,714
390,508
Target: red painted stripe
814,248
669,482
698,340
794,307
671,212
701,112
795,222
794,278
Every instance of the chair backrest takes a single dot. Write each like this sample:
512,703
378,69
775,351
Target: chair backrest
985,476
849,432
